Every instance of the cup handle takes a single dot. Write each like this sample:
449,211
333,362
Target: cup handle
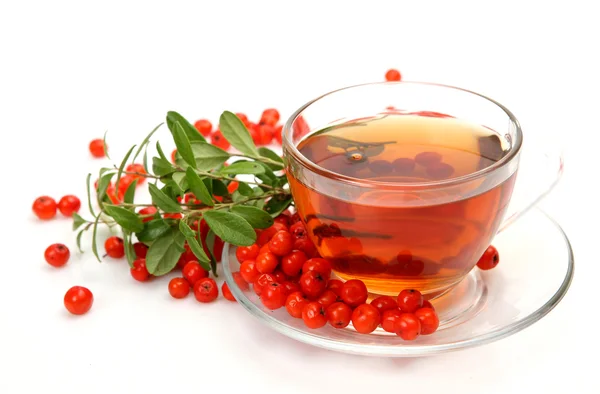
539,172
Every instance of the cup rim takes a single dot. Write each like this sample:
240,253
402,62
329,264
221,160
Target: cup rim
291,148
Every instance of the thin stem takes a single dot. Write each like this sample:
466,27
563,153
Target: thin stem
213,176
142,174
265,160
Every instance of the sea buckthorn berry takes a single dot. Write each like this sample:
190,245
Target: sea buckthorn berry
291,264
410,300
327,298
139,169
407,327
428,319
147,212
290,287
248,271
114,247
335,285
78,300
384,303
244,253
428,158
97,148
277,134
193,272
404,165
266,263
203,126
186,257
427,304
313,284
273,296
217,139
174,155
270,117
317,264
125,182
242,117
339,314
227,293
365,318
307,246
44,207
268,233
253,129
279,276
393,75
283,219
175,216
140,249
179,288
240,281
298,230
233,186
264,249
68,205
389,319
314,315
262,282
57,255
490,259
354,292
139,271
295,303
206,290
281,243
439,170
295,218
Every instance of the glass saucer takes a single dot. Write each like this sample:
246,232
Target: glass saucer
535,271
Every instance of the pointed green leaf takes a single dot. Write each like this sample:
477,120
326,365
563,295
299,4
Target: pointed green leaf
146,142
77,221
230,227
104,170
79,234
198,187
130,192
237,134
184,149
244,189
186,230
103,184
122,167
145,160
105,145
199,253
162,167
94,241
125,218
243,167
153,230
129,251
219,188
256,217
190,131
161,154
164,253
278,204
89,196
210,245
269,154
180,180
162,201
207,156
209,185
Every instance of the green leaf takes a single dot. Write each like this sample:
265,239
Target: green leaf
184,149
79,234
237,134
104,170
160,152
219,188
153,230
243,167
199,253
244,189
230,227
207,156
162,201
210,245
145,160
255,216
162,167
122,166
125,218
257,191
269,154
190,131
130,192
269,176
105,146
103,184
77,221
198,187
278,204
186,230
89,196
146,141
209,185
164,252
180,180
94,242
129,251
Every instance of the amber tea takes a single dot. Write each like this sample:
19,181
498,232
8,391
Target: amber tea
421,243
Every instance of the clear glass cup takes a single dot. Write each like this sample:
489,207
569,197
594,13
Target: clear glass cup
459,215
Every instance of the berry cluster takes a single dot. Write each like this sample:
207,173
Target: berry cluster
45,207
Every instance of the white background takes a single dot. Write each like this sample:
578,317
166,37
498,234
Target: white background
71,70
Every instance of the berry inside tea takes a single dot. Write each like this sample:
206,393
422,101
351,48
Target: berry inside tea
428,235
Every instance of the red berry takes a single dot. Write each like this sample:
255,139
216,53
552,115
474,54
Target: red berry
298,230
427,304
203,126
490,259
313,284
410,300
206,290
262,282
139,271
428,158
193,272
233,186
314,315
139,168
335,285
68,205
384,303
292,263
407,327
140,249
264,249
124,183
277,135
248,271
268,233
114,247
389,319
327,298
365,318
339,314
428,319
97,148
265,134
290,287
279,276
242,117
227,293
218,140
354,292
44,207
306,245
179,288
57,255
174,155
270,116
240,281
295,218
317,264
148,211
78,300
281,243
283,219
393,75
273,296
115,198
186,257
253,129
175,216
266,263
295,303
